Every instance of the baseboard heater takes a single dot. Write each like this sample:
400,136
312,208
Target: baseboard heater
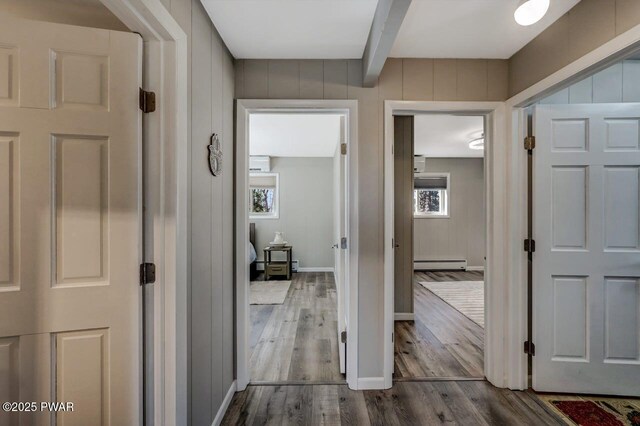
439,264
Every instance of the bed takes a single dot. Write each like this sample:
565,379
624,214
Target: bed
253,268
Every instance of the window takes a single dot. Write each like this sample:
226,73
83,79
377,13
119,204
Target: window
431,195
263,195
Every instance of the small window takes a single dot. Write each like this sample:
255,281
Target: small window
431,195
263,195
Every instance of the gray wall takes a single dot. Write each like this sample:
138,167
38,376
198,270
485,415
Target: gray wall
306,210
401,79
588,25
211,214
618,83
462,235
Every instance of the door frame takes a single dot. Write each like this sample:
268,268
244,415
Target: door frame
165,197
615,50
244,108
495,195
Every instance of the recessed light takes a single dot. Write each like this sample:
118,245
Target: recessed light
530,11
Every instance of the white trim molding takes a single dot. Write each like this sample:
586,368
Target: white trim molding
217,421
371,383
497,273
246,107
165,72
403,316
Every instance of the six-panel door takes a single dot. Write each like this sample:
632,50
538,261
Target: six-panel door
586,276
69,222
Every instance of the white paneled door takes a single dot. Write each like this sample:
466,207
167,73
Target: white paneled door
69,222
586,267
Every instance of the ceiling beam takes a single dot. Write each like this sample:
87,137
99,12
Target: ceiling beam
384,29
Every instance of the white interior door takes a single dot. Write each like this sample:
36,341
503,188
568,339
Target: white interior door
586,267
340,230
70,222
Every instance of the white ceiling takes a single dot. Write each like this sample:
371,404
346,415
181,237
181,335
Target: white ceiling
338,29
468,28
293,29
294,135
446,136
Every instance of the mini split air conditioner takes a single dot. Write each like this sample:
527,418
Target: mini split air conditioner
259,164
419,165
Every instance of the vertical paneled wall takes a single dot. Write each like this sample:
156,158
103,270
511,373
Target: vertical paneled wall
588,25
618,83
401,79
210,213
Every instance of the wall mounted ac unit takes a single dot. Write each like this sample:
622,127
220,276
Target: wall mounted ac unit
259,164
419,165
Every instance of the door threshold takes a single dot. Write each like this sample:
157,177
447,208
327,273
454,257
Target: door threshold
440,379
296,382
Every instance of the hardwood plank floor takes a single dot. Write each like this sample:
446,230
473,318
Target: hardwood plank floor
440,342
407,403
298,340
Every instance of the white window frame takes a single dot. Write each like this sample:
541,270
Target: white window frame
447,198
276,202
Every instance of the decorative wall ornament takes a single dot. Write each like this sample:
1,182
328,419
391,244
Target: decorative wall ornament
215,155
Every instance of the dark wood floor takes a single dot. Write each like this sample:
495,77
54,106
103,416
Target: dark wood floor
440,342
298,340
407,403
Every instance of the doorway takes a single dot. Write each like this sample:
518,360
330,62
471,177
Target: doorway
297,223
439,228
585,186
494,272
296,211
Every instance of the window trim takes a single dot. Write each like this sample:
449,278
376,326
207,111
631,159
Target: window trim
447,197
276,202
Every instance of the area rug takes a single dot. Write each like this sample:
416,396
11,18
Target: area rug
467,297
268,292
595,411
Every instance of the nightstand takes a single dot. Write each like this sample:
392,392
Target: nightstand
282,268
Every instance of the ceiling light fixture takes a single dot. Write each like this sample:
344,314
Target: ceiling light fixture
477,143
530,11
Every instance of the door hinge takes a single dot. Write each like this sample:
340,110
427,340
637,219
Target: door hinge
529,348
147,273
343,243
529,143
343,337
530,245
147,101
343,148
392,337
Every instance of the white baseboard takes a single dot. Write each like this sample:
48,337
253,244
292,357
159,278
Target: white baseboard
403,316
316,269
435,265
225,404
475,268
367,383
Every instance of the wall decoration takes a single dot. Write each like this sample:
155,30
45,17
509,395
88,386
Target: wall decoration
215,155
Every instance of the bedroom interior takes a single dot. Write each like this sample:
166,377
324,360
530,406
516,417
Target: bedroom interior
293,294
440,231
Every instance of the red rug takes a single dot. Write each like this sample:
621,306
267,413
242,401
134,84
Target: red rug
588,413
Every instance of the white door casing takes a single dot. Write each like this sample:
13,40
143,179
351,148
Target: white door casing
70,221
340,255
586,267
